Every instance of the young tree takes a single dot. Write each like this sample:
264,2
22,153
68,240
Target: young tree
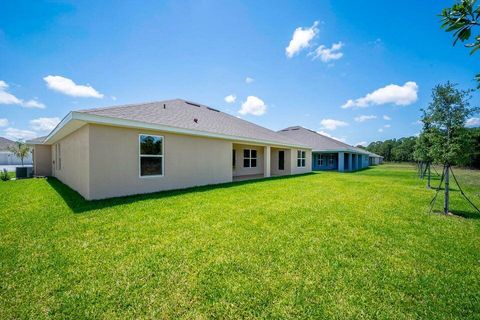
423,145
20,150
462,18
448,113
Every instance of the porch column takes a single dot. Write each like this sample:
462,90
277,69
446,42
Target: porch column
350,156
341,161
266,161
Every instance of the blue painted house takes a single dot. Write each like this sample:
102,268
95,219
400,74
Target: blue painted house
328,153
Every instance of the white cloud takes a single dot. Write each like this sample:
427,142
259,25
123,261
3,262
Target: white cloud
418,122
385,117
362,143
5,97
70,88
384,127
114,98
473,122
392,93
331,124
328,54
249,80
18,134
231,98
3,122
330,136
254,106
301,39
33,104
363,118
44,124
8,98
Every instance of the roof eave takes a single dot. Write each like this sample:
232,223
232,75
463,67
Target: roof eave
105,120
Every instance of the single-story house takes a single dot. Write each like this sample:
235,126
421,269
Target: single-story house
328,153
40,168
374,159
173,144
7,158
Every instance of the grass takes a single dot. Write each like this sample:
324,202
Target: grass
323,245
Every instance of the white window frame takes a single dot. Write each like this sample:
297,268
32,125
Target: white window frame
330,161
302,156
150,156
320,160
250,158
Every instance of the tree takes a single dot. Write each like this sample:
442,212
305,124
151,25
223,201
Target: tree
462,18
448,113
403,149
423,146
20,150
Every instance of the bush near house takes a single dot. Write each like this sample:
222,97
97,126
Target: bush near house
322,245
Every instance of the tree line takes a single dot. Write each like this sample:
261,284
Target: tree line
403,149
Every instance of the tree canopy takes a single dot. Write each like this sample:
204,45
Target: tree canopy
461,19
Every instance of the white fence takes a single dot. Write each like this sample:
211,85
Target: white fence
7,158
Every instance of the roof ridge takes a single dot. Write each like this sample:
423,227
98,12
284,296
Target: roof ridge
129,105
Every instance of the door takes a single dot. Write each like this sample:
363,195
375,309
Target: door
281,160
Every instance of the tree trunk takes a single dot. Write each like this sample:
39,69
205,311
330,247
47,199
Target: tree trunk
429,172
446,200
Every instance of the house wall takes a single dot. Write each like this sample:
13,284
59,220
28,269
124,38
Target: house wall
293,162
274,167
365,161
375,161
326,161
42,160
188,161
239,169
74,166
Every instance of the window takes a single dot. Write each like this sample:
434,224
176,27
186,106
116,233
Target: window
58,157
151,155
300,158
249,158
233,158
281,160
320,160
331,161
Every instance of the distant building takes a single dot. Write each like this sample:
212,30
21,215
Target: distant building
328,153
7,158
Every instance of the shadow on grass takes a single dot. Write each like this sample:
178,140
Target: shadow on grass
467,214
78,204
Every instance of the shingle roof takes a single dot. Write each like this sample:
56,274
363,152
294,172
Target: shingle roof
317,141
5,143
38,140
193,116
373,154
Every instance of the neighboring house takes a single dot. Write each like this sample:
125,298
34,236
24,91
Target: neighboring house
328,153
142,148
7,158
40,168
374,159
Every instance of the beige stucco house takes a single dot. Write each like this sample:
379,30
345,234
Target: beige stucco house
174,144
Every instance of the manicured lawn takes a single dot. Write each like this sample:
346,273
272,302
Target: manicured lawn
324,245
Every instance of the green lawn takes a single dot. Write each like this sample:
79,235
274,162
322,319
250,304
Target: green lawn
323,245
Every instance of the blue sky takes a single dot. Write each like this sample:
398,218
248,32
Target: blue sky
59,56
